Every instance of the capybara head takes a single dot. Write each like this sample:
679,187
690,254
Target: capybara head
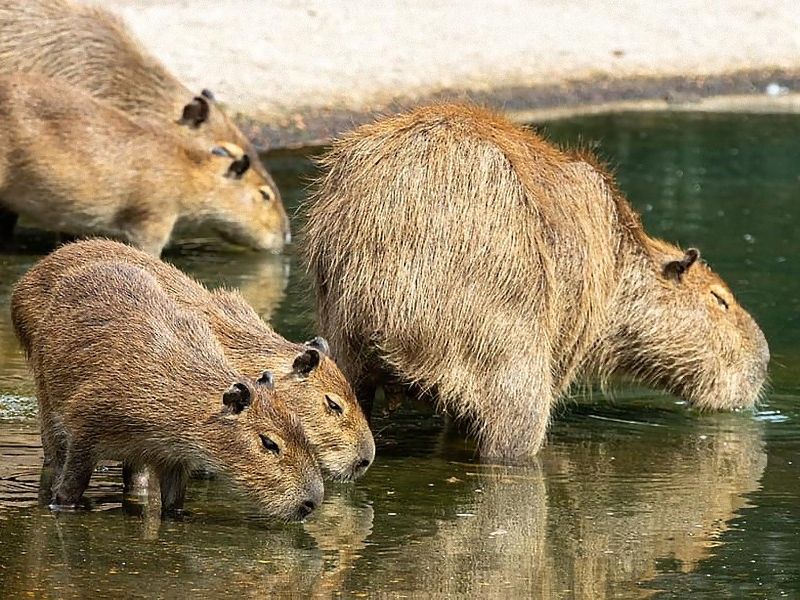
262,447
253,213
320,394
687,333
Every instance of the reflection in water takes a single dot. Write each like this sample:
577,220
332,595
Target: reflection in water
628,497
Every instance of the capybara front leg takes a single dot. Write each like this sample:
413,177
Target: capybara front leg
8,221
75,475
173,489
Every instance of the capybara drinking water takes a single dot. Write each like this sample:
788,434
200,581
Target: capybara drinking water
123,373
77,165
90,48
317,391
455,251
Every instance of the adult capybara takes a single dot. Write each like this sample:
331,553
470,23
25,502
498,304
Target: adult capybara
317,391
454,250
77,165
123,373
90,48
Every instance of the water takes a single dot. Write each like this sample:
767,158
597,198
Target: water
634,495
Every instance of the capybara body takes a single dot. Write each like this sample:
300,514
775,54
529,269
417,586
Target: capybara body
123,373
90,48
77,165
454,250
317,391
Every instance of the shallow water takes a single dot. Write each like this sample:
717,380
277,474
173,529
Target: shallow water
633,496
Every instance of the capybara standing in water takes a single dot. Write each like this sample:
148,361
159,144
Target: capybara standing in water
90,48
315,388
123,373
455,251
77,165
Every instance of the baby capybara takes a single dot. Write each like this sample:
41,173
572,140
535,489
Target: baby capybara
76,165
90,48
123,373
304,374
456,251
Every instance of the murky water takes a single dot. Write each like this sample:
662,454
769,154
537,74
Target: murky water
633,496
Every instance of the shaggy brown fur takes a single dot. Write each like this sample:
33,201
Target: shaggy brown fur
78,165
123,373
318,392
454,250
88,47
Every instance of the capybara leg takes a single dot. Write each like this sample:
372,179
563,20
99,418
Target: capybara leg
75,475
173,489
136,480
152,237
365,392
8,221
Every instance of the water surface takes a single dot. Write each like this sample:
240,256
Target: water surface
634,496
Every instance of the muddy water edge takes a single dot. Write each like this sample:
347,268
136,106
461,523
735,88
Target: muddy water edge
634,495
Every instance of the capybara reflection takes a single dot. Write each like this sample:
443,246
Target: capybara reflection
90,48
75,164
123,373
303,373
456,251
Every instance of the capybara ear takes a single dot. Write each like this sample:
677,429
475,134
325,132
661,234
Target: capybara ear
266,379
320,343
306,362
195,113
675,268
237,397
238,167
207,93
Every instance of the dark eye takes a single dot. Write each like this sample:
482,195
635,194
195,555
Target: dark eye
269,444
333,405
720,300
267,195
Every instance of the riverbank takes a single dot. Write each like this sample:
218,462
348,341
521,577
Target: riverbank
299,72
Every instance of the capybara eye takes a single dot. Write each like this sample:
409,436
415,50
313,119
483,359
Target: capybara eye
267,194
269,444
722,302
333,405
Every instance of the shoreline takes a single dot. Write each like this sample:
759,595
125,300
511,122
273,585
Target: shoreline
742,91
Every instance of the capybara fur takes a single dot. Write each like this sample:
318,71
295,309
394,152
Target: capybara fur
90,48
315,388
454,250
123,373
78,165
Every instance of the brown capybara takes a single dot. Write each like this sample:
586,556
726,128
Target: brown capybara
90,48
77,165
456,251
123,373
315,388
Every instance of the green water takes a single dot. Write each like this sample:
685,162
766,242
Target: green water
633,496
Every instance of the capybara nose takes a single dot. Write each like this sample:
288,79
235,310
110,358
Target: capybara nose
307,508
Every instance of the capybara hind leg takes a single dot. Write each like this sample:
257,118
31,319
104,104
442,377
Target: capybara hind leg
8,221
75,475
173,489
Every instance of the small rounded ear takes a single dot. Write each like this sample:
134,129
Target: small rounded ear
237,397
207,93
266,379
320,343
238,167
306,362
195,113
676,268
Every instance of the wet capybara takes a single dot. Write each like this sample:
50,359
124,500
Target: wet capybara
123,373
456,251
78,165
317,391
90,48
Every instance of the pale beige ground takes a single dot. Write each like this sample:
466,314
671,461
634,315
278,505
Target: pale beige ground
268,58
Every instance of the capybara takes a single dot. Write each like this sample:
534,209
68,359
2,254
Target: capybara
78,165
315,388
456,251
123,373
90,48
